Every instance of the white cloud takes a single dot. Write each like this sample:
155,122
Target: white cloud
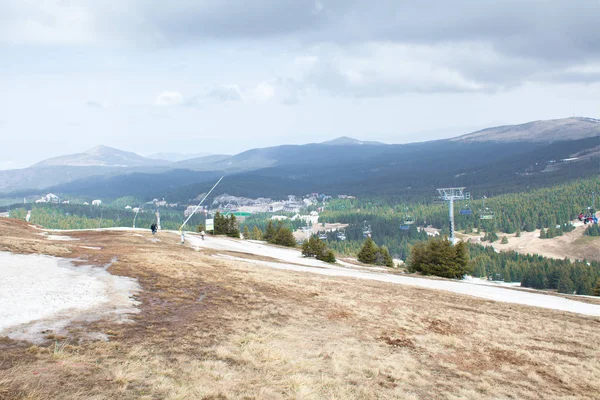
263,92
226,92
169,98
383,69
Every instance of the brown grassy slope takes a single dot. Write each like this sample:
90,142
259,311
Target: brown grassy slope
213,329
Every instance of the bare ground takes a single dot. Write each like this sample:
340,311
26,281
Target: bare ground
217,329
572,245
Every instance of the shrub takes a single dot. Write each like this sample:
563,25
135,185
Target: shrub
284,237
315,247
371,254
490,236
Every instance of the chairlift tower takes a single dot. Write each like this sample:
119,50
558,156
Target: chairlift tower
450,195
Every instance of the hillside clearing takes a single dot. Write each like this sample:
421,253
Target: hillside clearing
213,328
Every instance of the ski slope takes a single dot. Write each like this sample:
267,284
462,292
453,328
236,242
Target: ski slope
292,260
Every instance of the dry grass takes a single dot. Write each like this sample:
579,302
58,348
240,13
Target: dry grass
217,329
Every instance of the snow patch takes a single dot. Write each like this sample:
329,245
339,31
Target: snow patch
61,238
495,293
39,292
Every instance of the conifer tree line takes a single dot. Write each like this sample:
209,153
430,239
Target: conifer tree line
593,230
535,271
261,220
226,225
78,216
275,234
541,208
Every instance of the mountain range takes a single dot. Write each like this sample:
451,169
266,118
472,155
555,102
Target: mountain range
508,155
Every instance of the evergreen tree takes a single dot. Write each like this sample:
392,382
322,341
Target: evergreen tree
221,224
315,247
504,240
256,233
246,232
368,252
386,258
593,230
284,237
596,290
270,232
232,227
439,257
565,285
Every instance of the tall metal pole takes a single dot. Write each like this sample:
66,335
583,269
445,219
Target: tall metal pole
451,219
195,209
449,195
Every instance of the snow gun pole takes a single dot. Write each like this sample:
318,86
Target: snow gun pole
197,207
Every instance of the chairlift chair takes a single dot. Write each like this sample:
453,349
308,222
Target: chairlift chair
341,235
466,210
408,219
366,230
485,212
322,235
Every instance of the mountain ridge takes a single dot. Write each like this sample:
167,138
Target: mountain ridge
99,156
313,159
537,131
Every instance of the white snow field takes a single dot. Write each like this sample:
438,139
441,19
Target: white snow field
489,292
39,292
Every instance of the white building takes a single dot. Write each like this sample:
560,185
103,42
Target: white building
96,202
49,198
276,206
128,207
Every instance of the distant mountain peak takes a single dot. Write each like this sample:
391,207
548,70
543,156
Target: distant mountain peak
100,150
346,140
100,156
571,128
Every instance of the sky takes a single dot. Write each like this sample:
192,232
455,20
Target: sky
224,76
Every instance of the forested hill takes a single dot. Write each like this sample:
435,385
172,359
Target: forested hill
399,171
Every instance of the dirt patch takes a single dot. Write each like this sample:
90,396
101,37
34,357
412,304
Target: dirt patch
441,327
398,341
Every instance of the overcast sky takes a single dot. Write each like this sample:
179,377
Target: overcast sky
224,76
